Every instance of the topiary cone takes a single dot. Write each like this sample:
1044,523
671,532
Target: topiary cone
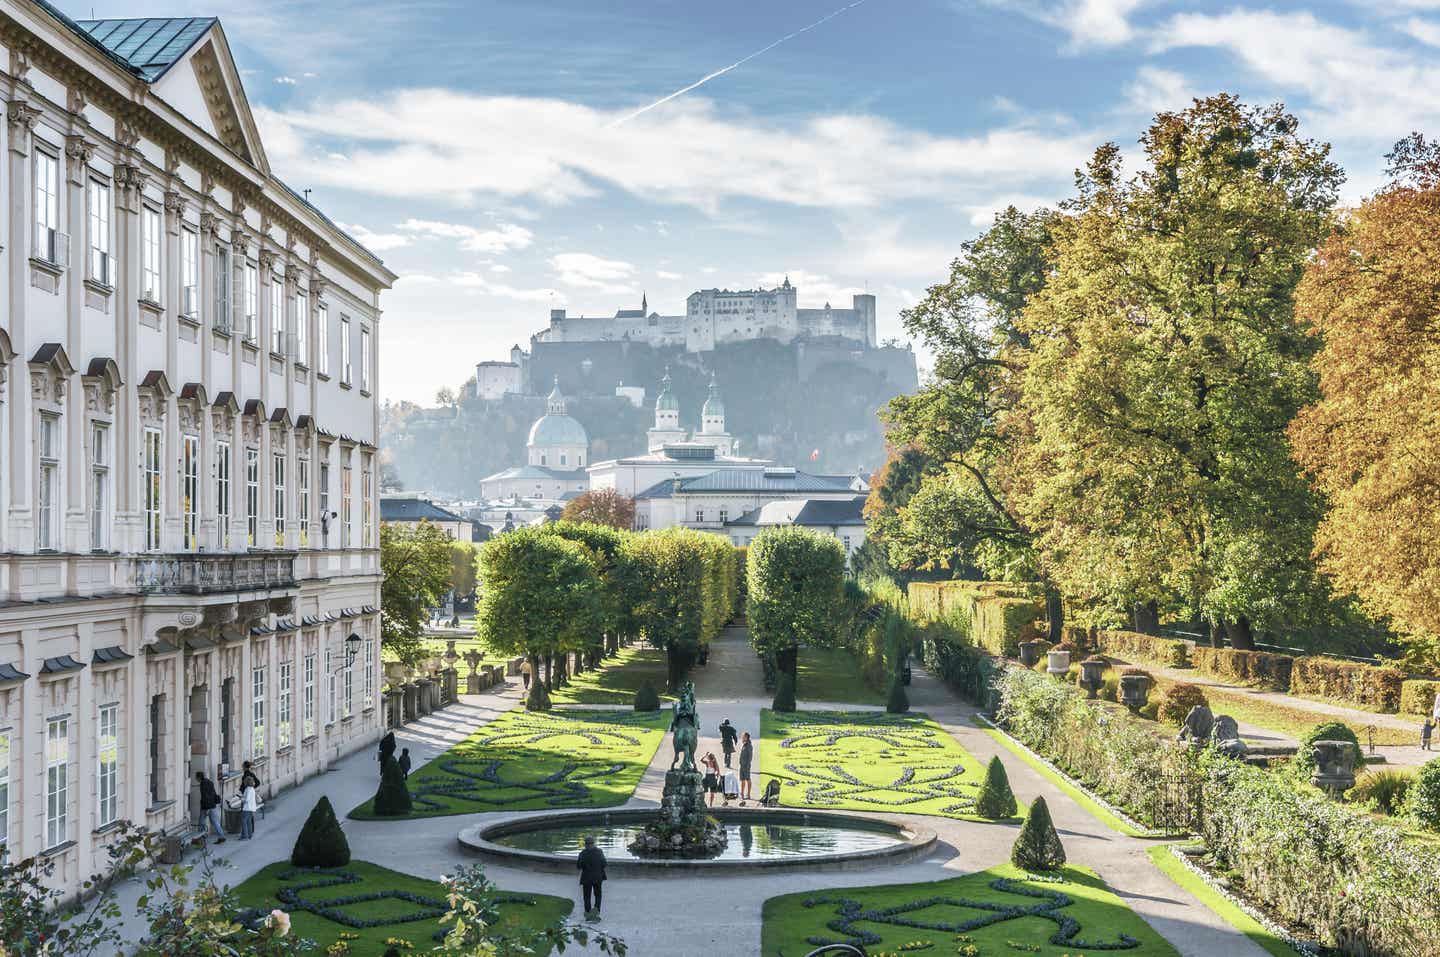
1038,847
392,799
322,841
995,801
647,699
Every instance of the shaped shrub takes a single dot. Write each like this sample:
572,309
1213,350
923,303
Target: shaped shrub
1351,682
1038,847
1178,700
995,800
393,797
1259,669
1304,760
1133,646
1422,803
321,842
784,693
647,699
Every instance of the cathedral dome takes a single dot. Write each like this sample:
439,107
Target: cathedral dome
714,406
557,429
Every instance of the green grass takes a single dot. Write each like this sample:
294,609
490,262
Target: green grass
617,680
262,887
527,761
868,761
1074,792
791,928
1221,905
832,675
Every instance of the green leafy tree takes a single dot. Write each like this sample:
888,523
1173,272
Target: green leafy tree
1161,364
606,547
416,564
463,558
680,591
540,596
474,926
795,585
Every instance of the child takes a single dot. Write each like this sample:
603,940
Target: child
249,804
1426,730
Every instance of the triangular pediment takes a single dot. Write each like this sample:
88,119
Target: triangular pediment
205,86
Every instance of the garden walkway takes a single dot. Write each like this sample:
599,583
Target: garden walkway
1358,720
719,916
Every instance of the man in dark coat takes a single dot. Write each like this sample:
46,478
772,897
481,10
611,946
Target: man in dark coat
405,763
209,806
728,735
591,864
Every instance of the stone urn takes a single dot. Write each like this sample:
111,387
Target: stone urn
1134,691
450,651
1057,663
395,672
1334,767
1030,651
472,680
1092,675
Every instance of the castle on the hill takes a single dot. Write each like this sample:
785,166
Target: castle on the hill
716,316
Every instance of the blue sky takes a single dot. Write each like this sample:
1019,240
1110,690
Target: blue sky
474,145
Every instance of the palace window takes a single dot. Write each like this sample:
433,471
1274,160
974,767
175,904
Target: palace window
257,711
349,699
366,487
47,518
302,326
277,313
322,326
223,280
345,349
222,489
57,781
345,499
150,480
324,488
50,243
107,789
150,254
227,722
4,791
157,749
252,300
302,506
279,487
189,273
308,701
99,486
190,490
331,676
364,359
99,198
284,714
370,673
699,515
252,496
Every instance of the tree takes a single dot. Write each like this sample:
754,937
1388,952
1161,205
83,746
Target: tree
463,557
606,547
1038,847
1160,366
415,562
1368,441
540,596
679,587
321,841
794,587
603,507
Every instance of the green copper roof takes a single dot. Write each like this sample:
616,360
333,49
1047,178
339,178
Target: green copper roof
713,403
149,45
666,401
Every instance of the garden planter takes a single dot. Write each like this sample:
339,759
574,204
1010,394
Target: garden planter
395,672
1058,663
1092,675
1334,767
1030,651
1134,691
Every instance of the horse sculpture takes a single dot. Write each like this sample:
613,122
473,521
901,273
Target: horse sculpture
685,724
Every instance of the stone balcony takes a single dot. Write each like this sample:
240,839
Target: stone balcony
194,573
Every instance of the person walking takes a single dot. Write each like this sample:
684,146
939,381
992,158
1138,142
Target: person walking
525,672
712,777
727,739
209,806
405,763
249,804
1426,730
591,864
747,758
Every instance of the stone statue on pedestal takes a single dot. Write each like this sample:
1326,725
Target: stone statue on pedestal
685,727
683,827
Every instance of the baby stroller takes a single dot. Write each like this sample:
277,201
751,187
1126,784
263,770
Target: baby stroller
771,797
730,784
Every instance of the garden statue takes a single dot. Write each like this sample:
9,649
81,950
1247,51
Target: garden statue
1226,735
685,724
1198,725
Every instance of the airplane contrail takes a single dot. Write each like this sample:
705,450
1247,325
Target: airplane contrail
738,63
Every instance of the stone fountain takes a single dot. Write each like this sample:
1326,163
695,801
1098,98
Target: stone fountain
683,827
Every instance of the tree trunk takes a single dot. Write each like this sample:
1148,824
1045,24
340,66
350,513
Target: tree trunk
788,661
550,673
1146,617
1055,611
1240,634
1217,635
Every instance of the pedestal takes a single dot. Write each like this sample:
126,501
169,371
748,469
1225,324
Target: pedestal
683,827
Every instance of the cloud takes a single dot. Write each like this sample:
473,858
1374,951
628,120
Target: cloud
410,144
502,238
285,80
373,241
309,76
982,214
499,268
1155,90
1426,31
472,283
667,274
1086,23
589,271
812,289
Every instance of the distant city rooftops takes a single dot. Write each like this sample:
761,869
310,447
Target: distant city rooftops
773,479
812,512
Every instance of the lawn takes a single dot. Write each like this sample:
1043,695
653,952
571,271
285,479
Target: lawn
415,920
617,680
868,761
832,676
527,761
999,911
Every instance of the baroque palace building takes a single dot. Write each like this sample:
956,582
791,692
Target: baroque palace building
189,564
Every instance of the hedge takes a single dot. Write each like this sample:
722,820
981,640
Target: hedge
1351,682
1002,623
930,601
1417,696
1358,884
1258,668
1133,646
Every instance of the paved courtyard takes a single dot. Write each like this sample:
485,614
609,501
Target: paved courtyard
720,916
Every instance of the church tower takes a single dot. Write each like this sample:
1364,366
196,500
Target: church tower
712,422
667,429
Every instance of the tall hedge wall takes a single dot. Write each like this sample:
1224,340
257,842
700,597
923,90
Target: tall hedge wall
1259,669
997,615
1148,649
1352,682
1417,696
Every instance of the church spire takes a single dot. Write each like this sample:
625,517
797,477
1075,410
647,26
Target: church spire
644,305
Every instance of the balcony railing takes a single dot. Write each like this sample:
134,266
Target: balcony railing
199,574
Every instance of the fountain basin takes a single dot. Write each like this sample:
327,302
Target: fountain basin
779,840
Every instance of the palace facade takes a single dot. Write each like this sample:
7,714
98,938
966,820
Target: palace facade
189,564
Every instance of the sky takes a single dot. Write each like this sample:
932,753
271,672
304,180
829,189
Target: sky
506,157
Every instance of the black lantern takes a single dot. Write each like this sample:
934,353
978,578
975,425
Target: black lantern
352,647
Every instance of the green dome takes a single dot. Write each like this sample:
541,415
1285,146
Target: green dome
713,404
666,401
557,429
